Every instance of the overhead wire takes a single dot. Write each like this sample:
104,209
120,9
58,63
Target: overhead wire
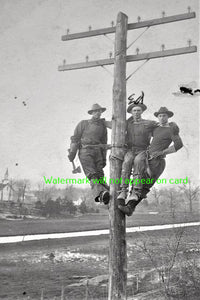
138,37
137,69
108,38
106,70
127,49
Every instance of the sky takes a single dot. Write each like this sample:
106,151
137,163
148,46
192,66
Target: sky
35,135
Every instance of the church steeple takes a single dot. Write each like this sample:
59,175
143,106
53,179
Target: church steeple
5,176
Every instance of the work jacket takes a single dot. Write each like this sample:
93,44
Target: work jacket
138,134
163,136
90,132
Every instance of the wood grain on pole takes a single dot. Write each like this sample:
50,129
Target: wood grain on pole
118,256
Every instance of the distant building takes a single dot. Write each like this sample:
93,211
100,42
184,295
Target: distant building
30,198
78,202
13,193
6,188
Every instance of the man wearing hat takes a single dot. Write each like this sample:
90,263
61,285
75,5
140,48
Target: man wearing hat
151,164
138,135
90,138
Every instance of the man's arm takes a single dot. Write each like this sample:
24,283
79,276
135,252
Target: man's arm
178,144
108,124
75,140
176,139
150,124
169,150
163,153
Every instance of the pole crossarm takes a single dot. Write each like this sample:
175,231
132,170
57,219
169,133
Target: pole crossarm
89,64
131,26
164,53
129,58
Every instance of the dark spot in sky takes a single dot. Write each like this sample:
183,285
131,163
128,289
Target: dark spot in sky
24,103
15,97
24,293
186,90
16,164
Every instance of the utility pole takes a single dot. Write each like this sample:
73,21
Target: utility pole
118,257
118,253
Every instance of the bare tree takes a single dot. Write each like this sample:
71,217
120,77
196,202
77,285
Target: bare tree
171,194
21,186
44,192
191,193
166,261
156,194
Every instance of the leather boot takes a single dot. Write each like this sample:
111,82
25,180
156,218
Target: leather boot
96,190
129,208
106,186
122,195
100,194
133,196
104,197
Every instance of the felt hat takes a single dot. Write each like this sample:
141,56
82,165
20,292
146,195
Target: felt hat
143,107
164,110
94,107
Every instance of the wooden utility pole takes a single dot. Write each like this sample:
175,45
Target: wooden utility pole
117,258
118,255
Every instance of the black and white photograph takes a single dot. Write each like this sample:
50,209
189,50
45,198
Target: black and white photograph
99,168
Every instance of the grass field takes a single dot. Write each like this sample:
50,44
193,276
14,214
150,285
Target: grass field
87,222
28,268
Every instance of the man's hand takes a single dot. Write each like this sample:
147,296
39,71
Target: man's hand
158,154
104,163
71,156
108,146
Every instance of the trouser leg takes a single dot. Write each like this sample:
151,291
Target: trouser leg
99,161
157,167
138,174
86,157
126,173
92,164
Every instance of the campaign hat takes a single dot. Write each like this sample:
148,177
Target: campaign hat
94,107
143,107
164,110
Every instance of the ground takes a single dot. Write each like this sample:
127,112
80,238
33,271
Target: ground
80,265
87,222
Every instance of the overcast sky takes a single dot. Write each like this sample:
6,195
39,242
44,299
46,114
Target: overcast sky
36,136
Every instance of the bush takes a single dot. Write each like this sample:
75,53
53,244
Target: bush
51,208
38,204
70,207
83,208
